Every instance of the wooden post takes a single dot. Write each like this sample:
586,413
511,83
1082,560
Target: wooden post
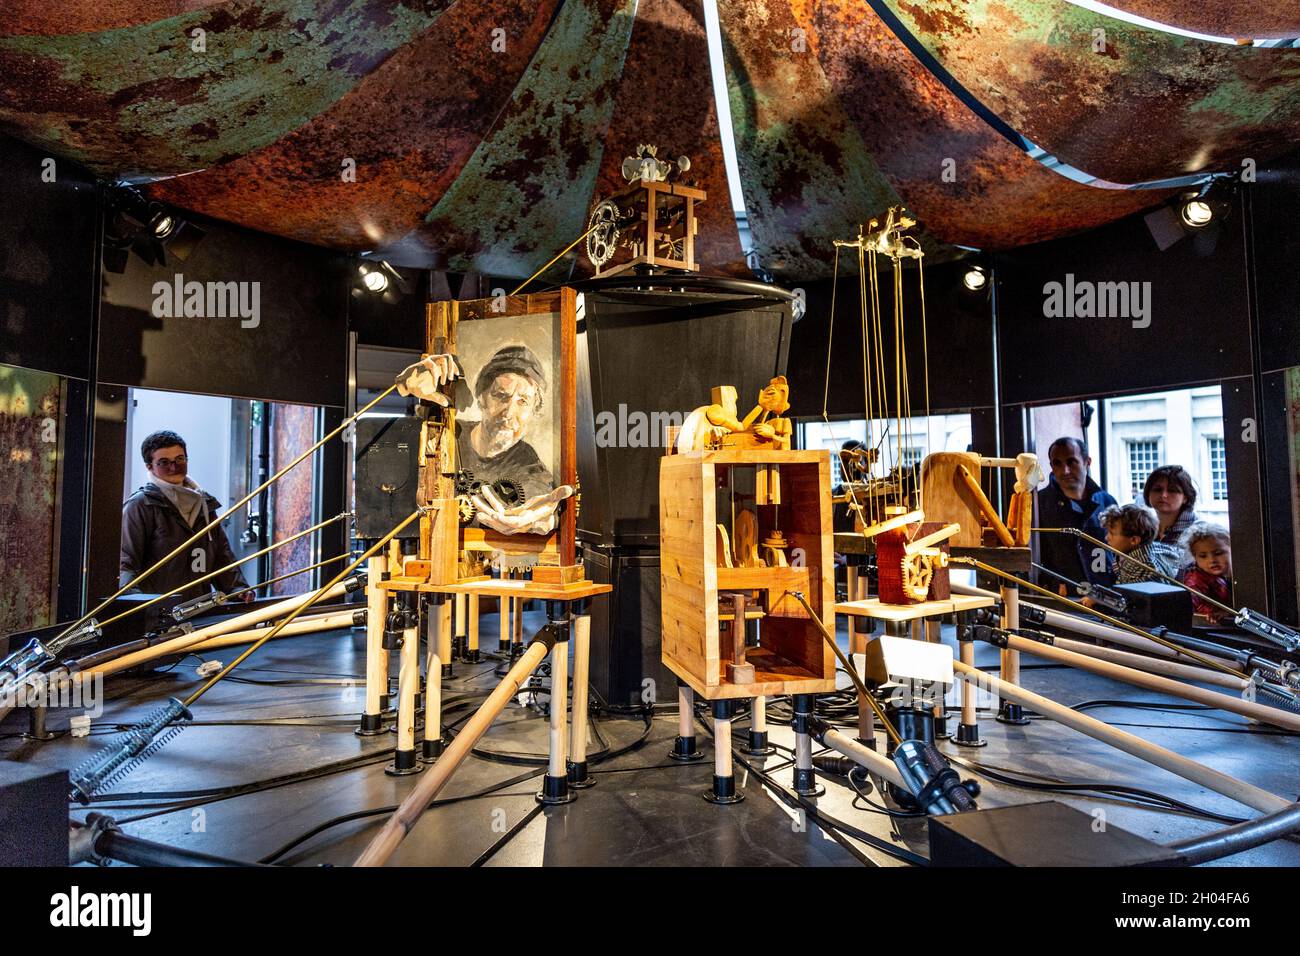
1244,793
578,776
458,642
723,791
399,824
471,653
443,613
684,746
431,746
376,657
1009,712
408,685
555,785
968,731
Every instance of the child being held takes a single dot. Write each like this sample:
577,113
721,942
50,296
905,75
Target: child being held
1211,549
1132,529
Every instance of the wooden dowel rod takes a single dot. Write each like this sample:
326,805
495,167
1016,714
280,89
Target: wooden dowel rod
376,614
1221,783
875,763
1168,668
473,622
304,625
187,641
436,777
1247,708
408,685
991,513
581,676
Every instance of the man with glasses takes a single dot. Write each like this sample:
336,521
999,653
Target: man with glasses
164,514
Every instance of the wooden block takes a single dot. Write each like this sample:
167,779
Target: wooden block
740,673
555,574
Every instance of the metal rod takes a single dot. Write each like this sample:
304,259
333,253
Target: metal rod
1239,837
1113,621
302,607
233,509
234,564
282,577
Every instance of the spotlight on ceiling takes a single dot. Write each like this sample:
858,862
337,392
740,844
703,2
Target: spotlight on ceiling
1196,213
375,280
975,279
162,223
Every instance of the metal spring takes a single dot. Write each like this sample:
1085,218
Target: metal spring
1267,695
115,761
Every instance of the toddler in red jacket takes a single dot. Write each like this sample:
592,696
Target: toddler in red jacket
1211,575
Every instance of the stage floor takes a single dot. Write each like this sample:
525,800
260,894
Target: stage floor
291,710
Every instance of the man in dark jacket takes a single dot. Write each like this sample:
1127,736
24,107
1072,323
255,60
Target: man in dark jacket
1072,500
165,513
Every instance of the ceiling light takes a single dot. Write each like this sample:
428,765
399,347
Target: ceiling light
1196,213
975,279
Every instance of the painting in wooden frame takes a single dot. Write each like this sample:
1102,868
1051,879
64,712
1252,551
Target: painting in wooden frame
514,417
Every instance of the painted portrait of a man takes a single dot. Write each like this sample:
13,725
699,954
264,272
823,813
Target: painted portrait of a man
510,393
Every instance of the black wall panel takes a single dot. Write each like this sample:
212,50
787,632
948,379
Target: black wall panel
958,337
294,351
47,262
646,352
1199,321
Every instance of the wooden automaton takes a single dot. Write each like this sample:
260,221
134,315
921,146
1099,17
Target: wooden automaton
741,529
953,491
506,442
651,224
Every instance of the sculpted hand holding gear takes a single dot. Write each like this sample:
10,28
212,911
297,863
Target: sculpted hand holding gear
537,515
426,378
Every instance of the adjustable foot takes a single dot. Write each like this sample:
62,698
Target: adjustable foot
757,745
684,749
1010,713
430,750
404,763
579,778
555,790
968,735
723,791
371,725
805,783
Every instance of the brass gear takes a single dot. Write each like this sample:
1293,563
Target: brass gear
602,241
467,509
918,572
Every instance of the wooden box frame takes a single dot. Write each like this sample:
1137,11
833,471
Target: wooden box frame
794,658
442,535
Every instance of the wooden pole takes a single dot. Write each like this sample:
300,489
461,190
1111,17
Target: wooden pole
1201,675
581,676
1238,790
472,623
304,625
376,615
559,710
1010,621
503,640
875,763
408,684
187,641
438,645
1247,708
436,777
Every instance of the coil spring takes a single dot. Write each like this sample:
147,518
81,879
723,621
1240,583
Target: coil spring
1267,695
101,771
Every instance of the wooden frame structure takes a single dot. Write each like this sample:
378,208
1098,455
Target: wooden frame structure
793,657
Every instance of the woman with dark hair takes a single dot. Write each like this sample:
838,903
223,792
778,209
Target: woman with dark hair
1170,491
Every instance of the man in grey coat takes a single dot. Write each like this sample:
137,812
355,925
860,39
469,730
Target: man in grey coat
166,512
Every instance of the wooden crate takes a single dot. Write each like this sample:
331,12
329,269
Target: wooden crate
793,657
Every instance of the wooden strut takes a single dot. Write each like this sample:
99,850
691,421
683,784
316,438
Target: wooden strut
233,509
187,641
986,506
304,625
1260,712
1244,793
435,778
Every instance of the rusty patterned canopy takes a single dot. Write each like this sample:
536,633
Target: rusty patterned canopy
475,135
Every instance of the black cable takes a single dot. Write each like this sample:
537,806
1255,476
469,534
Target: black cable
507,836
376,811
872,806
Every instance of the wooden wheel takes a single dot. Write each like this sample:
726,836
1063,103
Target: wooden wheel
918,572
